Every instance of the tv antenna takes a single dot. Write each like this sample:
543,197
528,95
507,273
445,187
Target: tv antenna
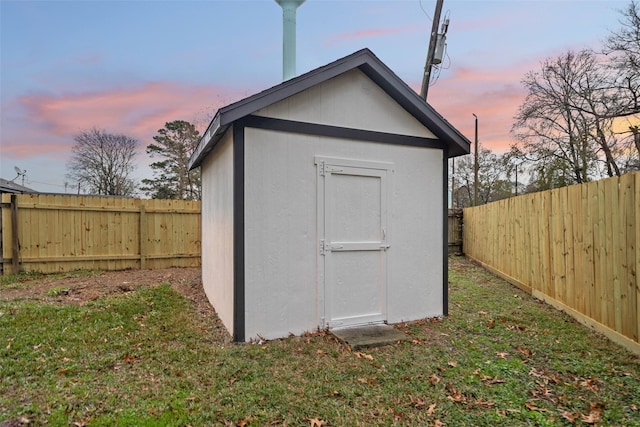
21,173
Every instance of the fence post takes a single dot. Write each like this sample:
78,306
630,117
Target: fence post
15,242
143,237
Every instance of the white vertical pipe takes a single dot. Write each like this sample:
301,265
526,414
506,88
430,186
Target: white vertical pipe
289,8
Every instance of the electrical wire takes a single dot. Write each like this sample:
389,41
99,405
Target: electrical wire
425,12
44,183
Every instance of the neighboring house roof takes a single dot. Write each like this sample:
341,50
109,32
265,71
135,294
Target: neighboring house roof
366,62
12,187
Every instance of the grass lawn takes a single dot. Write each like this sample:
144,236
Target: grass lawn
146,357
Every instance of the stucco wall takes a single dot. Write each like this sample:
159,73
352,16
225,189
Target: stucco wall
281,261
217,229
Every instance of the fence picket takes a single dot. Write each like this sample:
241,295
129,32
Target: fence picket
65,233
578,246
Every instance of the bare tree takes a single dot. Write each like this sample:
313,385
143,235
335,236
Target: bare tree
623,47
102,162
553,125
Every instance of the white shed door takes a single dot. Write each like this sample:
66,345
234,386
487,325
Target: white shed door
355,239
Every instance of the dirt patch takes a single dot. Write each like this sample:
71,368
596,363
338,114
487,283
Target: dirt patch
80,290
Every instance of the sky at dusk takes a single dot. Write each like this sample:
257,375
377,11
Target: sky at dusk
130,66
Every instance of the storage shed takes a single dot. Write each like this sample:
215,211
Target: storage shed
324,203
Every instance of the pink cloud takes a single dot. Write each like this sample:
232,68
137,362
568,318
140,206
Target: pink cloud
493,94
340,38
47,122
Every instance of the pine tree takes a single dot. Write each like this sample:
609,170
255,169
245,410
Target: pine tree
172,178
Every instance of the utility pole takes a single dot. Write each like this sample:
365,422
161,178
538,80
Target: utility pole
475,166
431,52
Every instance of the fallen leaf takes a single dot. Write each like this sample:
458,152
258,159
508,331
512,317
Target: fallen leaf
589,383
417,403
315,422
431,409
533,407
596,407
455,396
438,423
452,364
363,380
129,358
554,378
534,373
434,379
571,417
592,418
241,423
360,355
525,351
485,403
634,407
502,354
492,380
319,351
491,323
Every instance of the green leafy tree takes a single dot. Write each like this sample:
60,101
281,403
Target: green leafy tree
493,179
172,179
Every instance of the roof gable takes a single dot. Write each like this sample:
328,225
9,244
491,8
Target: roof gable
365,61
350,100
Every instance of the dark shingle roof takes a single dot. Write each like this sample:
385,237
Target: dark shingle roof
12,187
371,66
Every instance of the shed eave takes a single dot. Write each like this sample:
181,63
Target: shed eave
207,142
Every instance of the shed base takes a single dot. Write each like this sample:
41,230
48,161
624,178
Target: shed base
370,336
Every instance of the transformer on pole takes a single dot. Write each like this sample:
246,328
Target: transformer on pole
436,48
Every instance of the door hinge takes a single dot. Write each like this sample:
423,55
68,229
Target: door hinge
325,168
328,247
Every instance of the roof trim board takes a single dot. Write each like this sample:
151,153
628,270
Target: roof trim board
305,128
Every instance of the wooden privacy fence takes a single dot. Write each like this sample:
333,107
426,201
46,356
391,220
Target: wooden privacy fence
52,233
576,247
455,230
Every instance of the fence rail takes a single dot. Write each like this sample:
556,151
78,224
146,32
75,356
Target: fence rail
576,247
53,233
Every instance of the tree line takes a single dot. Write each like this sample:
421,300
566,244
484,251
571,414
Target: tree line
579,121
103,163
